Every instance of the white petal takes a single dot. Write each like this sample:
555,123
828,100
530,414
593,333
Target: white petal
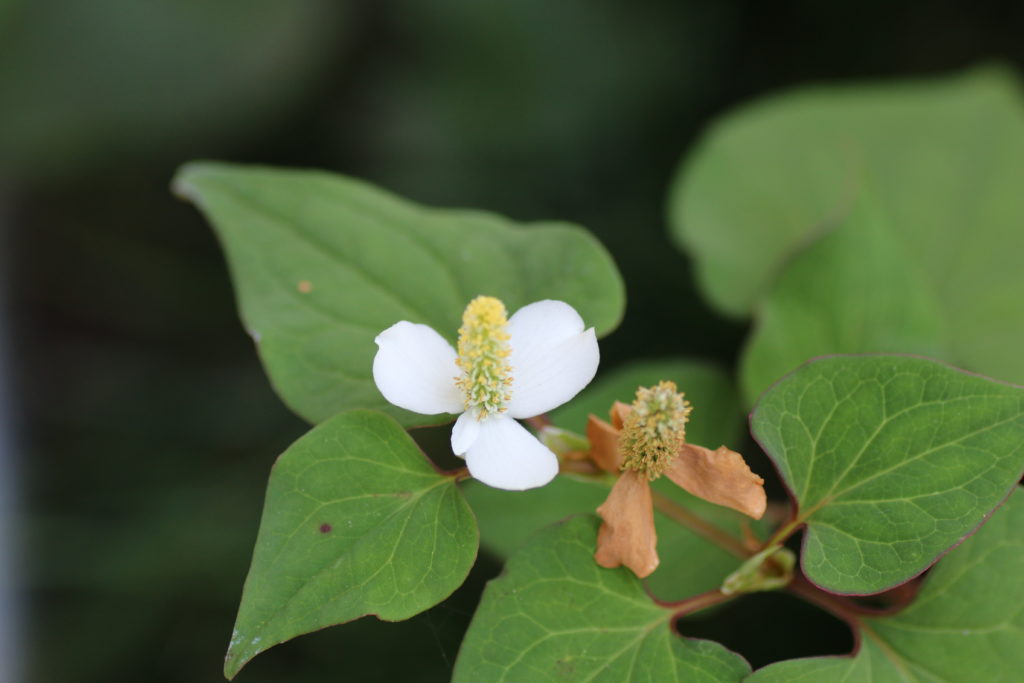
415,369
465,432
506,456
552,357
541,324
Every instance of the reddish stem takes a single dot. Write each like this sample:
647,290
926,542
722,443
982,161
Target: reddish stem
459,474
837,605
538,423
698,602
701,526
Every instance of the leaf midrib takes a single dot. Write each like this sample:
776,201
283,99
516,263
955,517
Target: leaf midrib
832,496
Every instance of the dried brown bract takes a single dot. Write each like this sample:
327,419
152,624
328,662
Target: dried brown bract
644,441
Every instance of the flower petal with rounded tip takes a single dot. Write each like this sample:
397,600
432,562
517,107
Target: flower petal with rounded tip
537,326
415,369
719,476
627,535
465,433
546,379
506,456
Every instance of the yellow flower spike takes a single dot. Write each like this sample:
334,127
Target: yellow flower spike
483,351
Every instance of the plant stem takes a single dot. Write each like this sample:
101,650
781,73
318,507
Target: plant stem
698,602
582,467
783,532
458,474
836,605
701,526
539,422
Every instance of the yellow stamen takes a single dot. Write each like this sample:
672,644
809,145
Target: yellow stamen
654,430
483,357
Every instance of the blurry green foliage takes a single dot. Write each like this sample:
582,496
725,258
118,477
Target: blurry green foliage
546,96
90,83
855,289
936,164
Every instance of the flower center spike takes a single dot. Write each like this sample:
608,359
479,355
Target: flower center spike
654,430
483,357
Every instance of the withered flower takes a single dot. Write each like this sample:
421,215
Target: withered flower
643,442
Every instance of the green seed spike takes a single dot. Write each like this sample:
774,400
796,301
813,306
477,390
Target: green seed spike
654,430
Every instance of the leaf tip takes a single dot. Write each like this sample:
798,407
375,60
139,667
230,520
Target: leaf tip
234,660
183,184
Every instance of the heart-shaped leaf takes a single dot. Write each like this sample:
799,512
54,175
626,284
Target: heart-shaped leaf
356,521
324,263
966,624
555,615
891,461
135,95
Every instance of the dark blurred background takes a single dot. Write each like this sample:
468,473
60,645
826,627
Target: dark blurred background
137,426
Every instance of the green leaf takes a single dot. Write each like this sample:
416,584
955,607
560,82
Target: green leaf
855,290
966,624
555,615
324,263
891,460
943,159
356,521
507,519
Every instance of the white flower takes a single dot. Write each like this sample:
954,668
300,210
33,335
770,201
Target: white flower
505,368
